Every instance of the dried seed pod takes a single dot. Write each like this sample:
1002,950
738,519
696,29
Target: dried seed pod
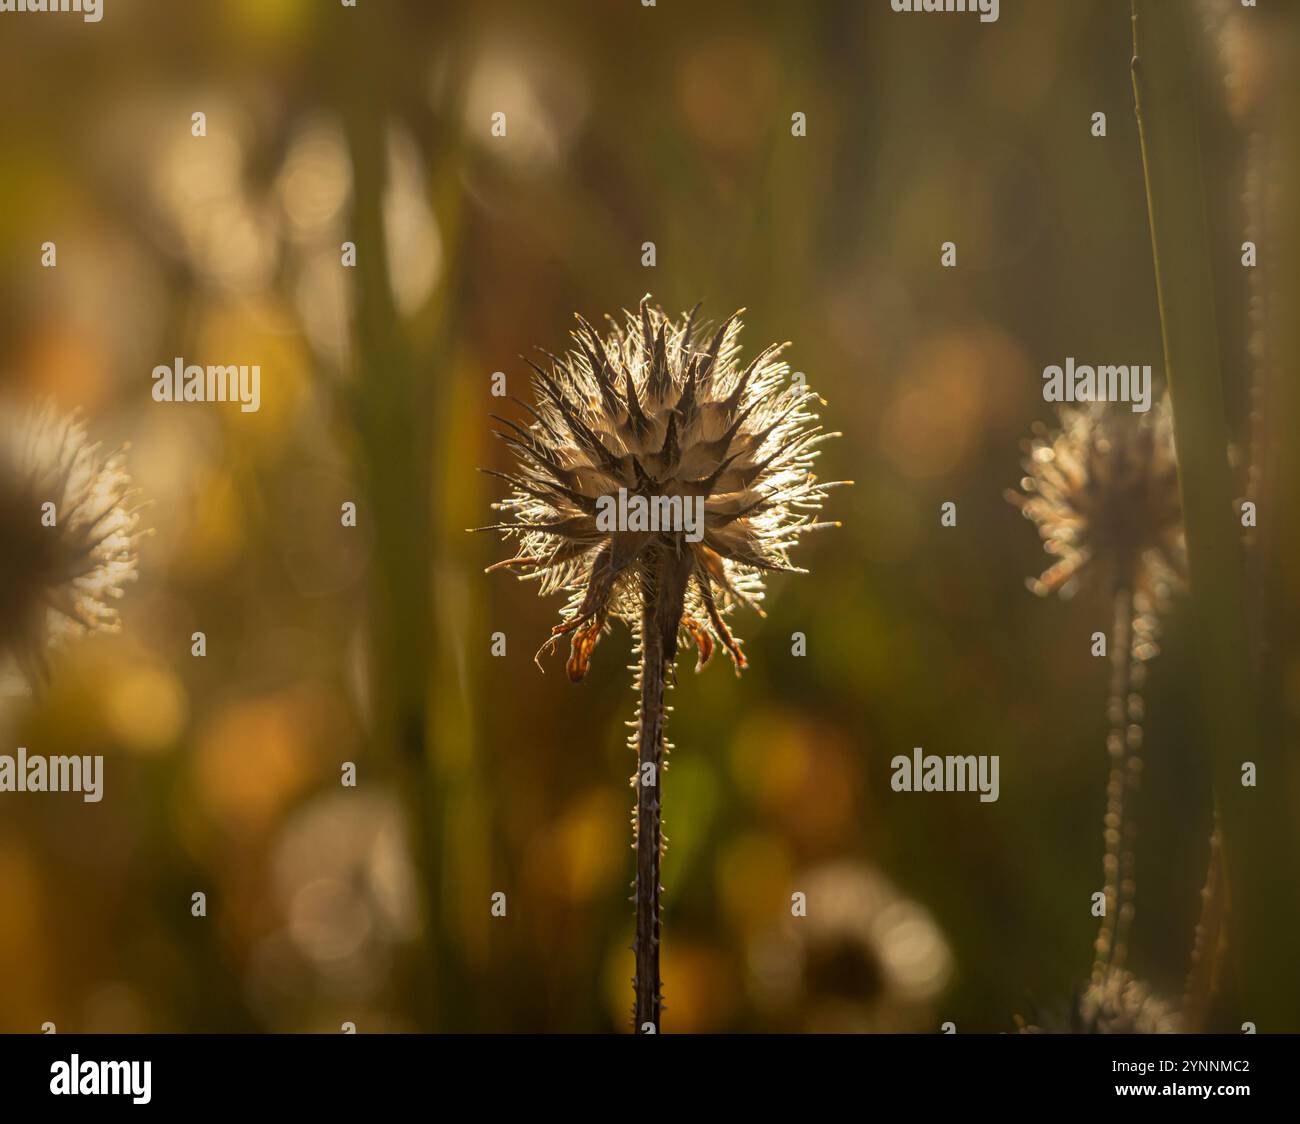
710,458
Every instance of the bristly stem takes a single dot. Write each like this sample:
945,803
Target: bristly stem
1124,711
650,737
1108,948
663,593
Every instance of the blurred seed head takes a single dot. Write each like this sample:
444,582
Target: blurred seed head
1119,1003
864,959
655,410
59,581
1103,491
343,876
1248,46
539,85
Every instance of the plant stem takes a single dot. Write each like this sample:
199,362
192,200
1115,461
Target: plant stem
663,595
648,824
1207,941
1110,950
391,405
1260,858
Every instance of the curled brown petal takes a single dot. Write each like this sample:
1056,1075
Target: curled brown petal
580,648
703,641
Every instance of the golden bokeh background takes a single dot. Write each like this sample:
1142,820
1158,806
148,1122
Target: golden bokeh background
371,645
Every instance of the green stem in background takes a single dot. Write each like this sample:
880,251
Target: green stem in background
663,596
1259,857
391,407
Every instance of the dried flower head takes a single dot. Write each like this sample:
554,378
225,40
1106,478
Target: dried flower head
865,959
648,412
1103,491
61,569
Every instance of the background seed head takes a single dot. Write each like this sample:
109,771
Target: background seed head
59,581
1103,491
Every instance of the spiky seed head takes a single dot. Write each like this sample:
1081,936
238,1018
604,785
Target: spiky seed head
663,410
58,581
1103,492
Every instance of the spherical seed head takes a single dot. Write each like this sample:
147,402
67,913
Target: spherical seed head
58,581
1103,492
658,410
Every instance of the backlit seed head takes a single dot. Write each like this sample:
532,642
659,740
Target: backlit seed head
59,580
1103,492
661,411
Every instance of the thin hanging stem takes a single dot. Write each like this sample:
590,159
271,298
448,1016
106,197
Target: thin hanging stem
663,593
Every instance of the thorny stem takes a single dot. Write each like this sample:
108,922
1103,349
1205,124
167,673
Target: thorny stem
1131,710
663,594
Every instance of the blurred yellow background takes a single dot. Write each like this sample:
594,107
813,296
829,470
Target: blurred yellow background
371,645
